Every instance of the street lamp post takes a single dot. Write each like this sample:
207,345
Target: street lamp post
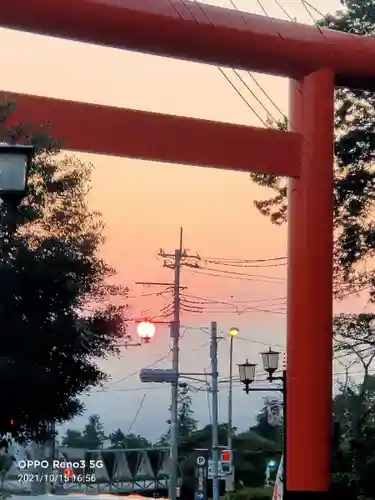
270,361
233,332
15,160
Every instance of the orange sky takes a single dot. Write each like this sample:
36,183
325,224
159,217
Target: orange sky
145,203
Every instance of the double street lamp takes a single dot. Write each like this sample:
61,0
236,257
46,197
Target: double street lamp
270,361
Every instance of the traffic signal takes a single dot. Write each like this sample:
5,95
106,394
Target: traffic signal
226,461
158,375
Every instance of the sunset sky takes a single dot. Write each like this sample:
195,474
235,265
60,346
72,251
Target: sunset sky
145,203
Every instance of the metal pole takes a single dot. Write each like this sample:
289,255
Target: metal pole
230,400
229,480
175,334
285,398
215,440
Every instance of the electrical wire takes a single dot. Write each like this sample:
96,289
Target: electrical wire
236,273
237,259
305,4
153,294
127,377
284,11
136,414
110,386
212,300
222,72
236,383
268,344
231,276
201,305
252,266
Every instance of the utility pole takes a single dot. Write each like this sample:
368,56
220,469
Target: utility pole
176,264
175,334
215,440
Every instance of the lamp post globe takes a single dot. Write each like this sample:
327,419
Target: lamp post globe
146,330
247,374
15,162
233,332
270,360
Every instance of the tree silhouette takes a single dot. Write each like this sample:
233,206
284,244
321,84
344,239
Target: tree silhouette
54,291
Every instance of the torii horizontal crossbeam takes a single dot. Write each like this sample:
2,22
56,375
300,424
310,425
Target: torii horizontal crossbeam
153,136
188,30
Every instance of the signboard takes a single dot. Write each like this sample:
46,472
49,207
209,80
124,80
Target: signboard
223,470
210,469
201,473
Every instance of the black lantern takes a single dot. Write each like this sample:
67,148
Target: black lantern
270,360
247,374
15,162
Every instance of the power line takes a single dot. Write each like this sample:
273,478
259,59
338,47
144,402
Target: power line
136,414
234,277
212,300
200,7
238,259
252,266
268,344
123,379
236,273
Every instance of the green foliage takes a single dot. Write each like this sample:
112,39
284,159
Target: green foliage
252,450
93,433
354,334
92,437
117,439
263,493
186,421
354,176
120,440
263,428
6,462
54,291
354,460
73,439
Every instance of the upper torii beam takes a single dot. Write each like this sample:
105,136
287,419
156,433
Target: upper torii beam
316,60
197,32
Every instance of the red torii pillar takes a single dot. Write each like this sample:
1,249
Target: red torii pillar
315,60
309,321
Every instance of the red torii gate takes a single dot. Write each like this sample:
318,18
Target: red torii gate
316,61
